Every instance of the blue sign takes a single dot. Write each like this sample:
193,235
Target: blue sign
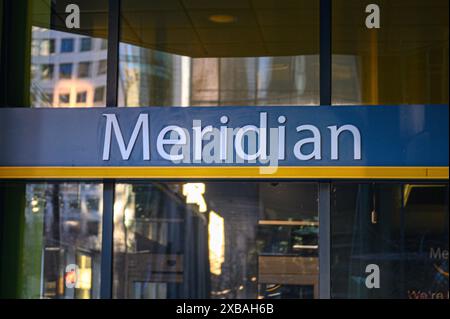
300,136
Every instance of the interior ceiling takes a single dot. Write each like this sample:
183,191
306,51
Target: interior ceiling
405,26
257,27
260,27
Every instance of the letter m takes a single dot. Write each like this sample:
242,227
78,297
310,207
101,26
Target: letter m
125,150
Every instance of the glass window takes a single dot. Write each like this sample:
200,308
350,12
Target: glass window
81,97
103,44
404,61
47,71
85,44
48,97
64,98
59,243
102,66
65,70
84,69
35,47
77,47
99,94
45,99
211,54
47,47
400,229
67,45
216,240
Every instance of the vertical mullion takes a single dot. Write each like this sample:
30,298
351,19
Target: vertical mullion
109,184
325,187
324,241
113,53
107,240
325,52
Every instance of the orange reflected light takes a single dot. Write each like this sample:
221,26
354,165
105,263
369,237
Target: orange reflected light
71,277
216,242
221,18
72,87
194,195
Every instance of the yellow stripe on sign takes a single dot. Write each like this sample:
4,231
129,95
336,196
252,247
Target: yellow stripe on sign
231,172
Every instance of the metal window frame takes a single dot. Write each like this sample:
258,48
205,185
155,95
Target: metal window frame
112,80
112,90
325,187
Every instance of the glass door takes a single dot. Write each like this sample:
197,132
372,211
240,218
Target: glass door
396,232
216,240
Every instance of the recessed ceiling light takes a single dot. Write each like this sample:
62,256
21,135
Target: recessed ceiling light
221,18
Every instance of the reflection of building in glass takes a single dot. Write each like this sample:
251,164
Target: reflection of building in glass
67,70
402,228
230,238
165,247
156,78
347,85
216,242
66,222
160,244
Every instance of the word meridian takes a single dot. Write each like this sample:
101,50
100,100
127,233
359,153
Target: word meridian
224,144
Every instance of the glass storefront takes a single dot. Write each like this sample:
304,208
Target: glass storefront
63,67
52,245
219,53
229,240
405,61
400,228
67,69
216,240
223,238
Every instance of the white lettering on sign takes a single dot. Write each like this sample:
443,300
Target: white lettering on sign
125,151
162,141
335,132
261,131
249,143
315,140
